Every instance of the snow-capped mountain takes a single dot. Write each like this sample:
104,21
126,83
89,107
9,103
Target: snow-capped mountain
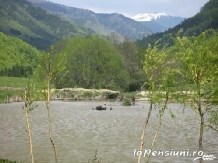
158,22
148,16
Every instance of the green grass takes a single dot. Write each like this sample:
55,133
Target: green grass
6,94
16,82
8,161
13,82
131,94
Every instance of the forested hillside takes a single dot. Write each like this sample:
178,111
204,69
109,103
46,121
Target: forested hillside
17,58
103,24
205,19
35,25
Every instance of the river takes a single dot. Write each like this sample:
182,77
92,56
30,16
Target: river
79,131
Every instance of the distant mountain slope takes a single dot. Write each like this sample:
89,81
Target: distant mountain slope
158,22
35,25
103,24
205,19
155,27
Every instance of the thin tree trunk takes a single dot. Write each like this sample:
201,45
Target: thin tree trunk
143,130
28,127
201,127
201,135
154,139
159,126
49,121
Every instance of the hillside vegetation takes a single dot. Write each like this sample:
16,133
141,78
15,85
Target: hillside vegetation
94,61
17,58
35,25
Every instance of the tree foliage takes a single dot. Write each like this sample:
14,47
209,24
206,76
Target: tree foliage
200,69
51,65
93,62
129,51
160,82
17,58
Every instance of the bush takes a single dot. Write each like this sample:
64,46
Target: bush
127,103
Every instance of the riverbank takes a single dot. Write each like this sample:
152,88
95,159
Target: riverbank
83,94
12,94
8,161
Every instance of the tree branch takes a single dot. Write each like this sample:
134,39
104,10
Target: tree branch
209,125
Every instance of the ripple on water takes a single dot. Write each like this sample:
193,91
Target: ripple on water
78,131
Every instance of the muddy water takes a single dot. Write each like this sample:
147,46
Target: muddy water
79,131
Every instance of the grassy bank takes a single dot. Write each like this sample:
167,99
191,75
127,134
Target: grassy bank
16,82
8,161
12,87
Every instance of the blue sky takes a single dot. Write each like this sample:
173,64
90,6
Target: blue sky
183,8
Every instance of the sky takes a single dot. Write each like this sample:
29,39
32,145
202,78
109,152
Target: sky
130,8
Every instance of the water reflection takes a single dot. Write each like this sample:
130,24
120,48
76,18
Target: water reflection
78,131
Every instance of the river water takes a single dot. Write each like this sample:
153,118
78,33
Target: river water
79,131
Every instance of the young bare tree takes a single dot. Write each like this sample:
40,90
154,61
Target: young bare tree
51,65
165,93
160,71
153,66
29,99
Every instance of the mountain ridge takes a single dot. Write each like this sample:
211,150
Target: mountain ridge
108,24
158,22
102,23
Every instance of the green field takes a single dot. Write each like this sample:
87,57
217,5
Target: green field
8,83
16,82
13,82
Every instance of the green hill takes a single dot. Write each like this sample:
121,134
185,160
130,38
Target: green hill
35,25
17,58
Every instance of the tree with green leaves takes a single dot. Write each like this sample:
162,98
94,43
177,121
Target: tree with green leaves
158,73
199,59
93,62
51,65
165,91
129,51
